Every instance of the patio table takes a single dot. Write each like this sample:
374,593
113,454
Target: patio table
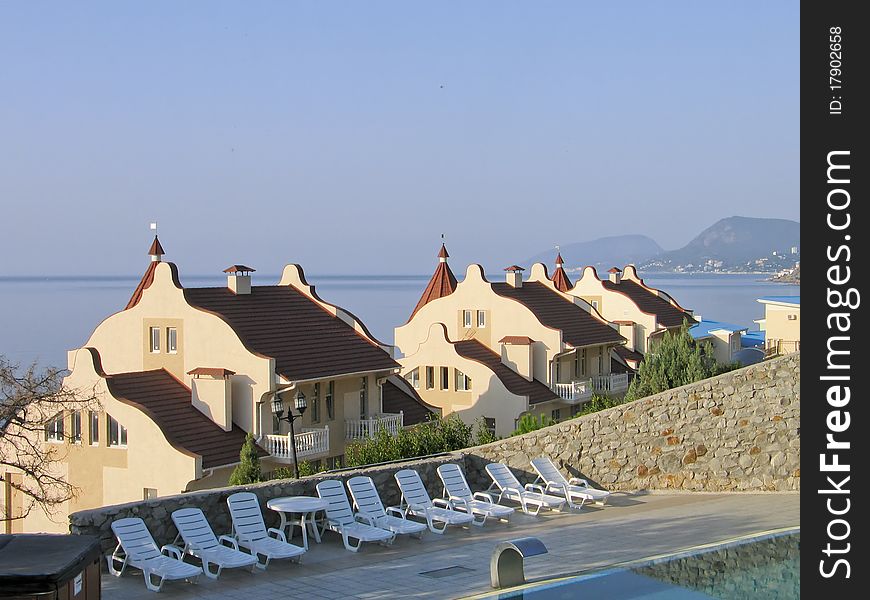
304,506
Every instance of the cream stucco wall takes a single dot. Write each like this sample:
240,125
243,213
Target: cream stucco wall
778,325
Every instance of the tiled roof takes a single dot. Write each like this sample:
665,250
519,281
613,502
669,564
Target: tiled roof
627,354
400,396
578,327
211,372
560,279
443,283
156,249
167,402
144,284
239,269
514,268
513,381
516,339
666,313
306,341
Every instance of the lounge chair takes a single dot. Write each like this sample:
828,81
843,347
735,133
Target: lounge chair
341,519
532,497
479,504
250,531
200,541
136,548
572,489
368,502
416,502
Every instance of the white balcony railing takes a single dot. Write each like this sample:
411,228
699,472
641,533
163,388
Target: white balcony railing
610,384
310,442
576,391
356,429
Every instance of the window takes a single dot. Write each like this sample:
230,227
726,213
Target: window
580,362
315,404
466,318
463,381
481,318
149,493
54,429
558,370
76,433
430,378
556,414
364,398
117,433
594,304
414,378
330,403
155,340
94,428
600,361
171,340
489,422
445,378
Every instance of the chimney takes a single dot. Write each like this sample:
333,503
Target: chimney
514,276
517,354
212,394
239,279
156,250
615,275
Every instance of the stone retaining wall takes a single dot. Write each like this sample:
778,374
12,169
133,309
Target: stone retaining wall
739,431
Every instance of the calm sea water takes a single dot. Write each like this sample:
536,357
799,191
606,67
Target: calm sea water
43,317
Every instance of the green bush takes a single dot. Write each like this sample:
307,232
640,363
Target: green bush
529,423
482,434
305,469
248,469
597,403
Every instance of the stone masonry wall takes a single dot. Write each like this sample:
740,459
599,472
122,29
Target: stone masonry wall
738,431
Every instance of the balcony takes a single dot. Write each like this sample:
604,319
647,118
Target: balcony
357,429
310,442
613,383
574,392
778,347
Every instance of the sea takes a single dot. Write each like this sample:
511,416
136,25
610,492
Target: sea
43,317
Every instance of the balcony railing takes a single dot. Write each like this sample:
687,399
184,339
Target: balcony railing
576,391
310,442
777,347
612,383
356,429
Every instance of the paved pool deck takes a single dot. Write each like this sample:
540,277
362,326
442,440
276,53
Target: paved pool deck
630,527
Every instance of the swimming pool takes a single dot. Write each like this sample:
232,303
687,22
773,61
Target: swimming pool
759,566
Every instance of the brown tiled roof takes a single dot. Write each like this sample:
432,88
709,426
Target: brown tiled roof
514,268
156,249
443,283
614,270
399,395
624,322
211,371
516,339
306,341
626,354
513,381
559,260
144,284
166,401
578,327
239,269
666,313
560,279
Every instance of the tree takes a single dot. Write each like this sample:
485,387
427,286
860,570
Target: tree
30,399
676,360
248,469
528,422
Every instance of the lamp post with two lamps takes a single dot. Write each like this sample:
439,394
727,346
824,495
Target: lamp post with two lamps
278,411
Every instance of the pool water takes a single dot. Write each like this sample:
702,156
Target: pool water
767,568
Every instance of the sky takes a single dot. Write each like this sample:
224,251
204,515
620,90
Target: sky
348,136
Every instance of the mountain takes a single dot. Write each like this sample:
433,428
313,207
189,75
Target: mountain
603,252
735,243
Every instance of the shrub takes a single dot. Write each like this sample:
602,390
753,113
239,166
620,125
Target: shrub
529,423
248,469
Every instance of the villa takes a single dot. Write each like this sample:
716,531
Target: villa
781,324
497,350
183,374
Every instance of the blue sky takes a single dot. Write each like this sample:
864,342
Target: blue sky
348,136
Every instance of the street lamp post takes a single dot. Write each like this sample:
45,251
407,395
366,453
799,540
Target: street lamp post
278,411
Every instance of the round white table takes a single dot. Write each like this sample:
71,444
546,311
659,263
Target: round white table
304,506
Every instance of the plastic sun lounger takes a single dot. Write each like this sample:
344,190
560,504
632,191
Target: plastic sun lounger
532,497
416,502
341,519
368,502
572,489
136,548
250,531
480,504
200,541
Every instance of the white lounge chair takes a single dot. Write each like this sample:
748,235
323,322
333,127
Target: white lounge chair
136,548
480,504
532,497
251,533
341,519
200,541
367,502
572,489
416,501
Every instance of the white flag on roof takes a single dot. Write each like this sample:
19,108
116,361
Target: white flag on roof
154,226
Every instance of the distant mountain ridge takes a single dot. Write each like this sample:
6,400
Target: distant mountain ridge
602,252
